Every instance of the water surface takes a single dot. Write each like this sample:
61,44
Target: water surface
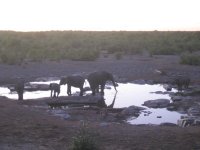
128,94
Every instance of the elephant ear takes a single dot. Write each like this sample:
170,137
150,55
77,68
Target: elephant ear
63,80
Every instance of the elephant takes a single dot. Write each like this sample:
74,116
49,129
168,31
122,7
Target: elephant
75,81
99,78
55,88
19,87
181,82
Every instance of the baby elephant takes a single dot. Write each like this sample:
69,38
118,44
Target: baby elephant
55,88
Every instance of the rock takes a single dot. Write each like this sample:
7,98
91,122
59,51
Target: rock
108,87
192,92
161,92
172,108
194,111
197,122
167,87
131,111
139,82
85,89
168,124
32,87
159,103
122,80
60,113
45,79
176,98
150,82
181,98
186,121
37,87
77,101
158,92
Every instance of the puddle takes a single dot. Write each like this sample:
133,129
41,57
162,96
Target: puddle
136,94
157,116
4,91
128,94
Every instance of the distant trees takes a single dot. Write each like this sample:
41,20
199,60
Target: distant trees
17,47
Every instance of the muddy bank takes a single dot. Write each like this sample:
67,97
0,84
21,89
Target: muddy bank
25,126
28,127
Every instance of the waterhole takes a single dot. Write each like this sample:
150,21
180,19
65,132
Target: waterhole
128,94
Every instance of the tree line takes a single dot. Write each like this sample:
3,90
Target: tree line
17,47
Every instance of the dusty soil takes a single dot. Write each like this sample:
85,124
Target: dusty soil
24,126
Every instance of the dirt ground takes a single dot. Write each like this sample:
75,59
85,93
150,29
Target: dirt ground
25,127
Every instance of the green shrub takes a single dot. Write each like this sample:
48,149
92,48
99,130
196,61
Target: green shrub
84,140
190,59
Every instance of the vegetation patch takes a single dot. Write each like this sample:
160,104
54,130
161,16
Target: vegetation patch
17,47
84,140
190,59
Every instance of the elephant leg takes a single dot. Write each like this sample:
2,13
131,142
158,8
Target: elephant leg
102,88
54,95
51,93
58,93
93,88
93,92
97,89
20,95
81,91
69,90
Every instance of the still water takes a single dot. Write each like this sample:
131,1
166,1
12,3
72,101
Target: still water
128,94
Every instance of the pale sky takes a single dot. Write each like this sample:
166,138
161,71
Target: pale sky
100,15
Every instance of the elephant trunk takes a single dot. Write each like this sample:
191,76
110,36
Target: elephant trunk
114,84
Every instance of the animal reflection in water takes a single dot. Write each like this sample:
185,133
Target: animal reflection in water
104,108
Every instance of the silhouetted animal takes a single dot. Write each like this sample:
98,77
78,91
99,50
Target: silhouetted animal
19,87
75,81
55,89
182,82
99,78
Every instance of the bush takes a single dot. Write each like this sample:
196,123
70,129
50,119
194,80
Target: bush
190,59
84,140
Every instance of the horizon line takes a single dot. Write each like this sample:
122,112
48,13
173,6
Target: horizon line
100,30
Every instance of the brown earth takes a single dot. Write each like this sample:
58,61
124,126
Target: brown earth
24,126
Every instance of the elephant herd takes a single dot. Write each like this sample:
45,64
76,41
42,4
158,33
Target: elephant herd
99,78
95,80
